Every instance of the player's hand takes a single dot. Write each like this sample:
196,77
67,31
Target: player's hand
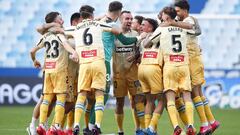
53,24
131,58
74,57
56,30
37,64
143,35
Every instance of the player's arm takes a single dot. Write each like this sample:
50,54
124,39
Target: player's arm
153,39
44,28
68,47
183,25
40,45
129,40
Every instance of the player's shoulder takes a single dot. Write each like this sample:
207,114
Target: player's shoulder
190,19
135,33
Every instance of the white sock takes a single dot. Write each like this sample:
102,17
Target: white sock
151,129
205,124
90,126
57,126
33,121
98,125
76,124
211,122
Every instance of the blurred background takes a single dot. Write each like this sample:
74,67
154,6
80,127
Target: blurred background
21,83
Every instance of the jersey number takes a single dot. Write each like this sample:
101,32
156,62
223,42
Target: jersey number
177,45
54,45
87,37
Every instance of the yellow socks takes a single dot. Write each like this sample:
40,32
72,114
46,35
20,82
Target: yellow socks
44,107
99,108
181,110
200,109
79,108
119,118
189,112
172,113
154,121
140,114
207,109
147,118
59,109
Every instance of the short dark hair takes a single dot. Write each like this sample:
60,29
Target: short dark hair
125,11
86,11
183,4
153,22
74,17
170,11
139,18
115,6
50,17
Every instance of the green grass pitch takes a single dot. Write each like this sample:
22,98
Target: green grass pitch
14,120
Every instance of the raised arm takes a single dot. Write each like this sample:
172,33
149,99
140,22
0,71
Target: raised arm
44,28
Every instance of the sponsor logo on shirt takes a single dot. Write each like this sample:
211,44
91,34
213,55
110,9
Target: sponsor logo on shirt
50,65
124,49
88,54
150,54
177,58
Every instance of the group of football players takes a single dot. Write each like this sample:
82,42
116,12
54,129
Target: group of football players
156,63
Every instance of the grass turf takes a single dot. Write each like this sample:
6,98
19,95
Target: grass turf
14,120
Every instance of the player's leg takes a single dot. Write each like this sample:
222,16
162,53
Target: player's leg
119,113
89,114
31,129
189,111
99,109
133,110
140,108
79,109
84,86
172,111
213,122
106,94
197,79
148,108
152,128
47,99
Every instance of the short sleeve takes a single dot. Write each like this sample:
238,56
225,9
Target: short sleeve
61,38
105,26
69,31
189,20
40,43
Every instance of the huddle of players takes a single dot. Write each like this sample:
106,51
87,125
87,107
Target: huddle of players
166,59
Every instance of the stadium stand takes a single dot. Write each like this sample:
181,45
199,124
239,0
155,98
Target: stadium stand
18,20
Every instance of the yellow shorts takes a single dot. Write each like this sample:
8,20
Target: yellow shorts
196,70
127,83
150,77
176,78
92,76
55,82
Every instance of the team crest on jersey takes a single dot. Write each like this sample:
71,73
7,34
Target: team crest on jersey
177,58
123,49
88,54
150,54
